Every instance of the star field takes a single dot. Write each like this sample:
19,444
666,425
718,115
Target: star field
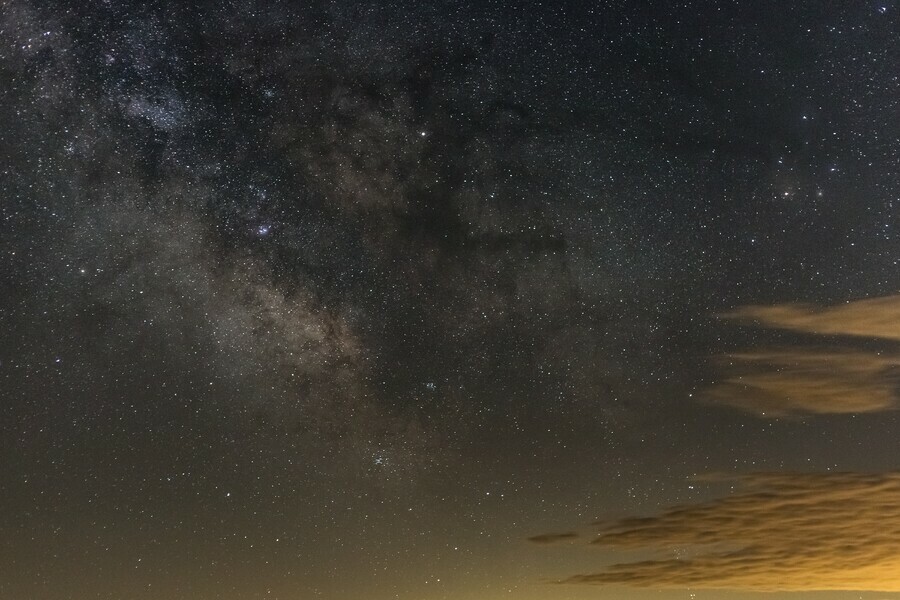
414,300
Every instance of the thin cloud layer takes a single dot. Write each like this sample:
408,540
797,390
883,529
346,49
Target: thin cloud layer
781,532
803,380
799,381
875,318
553,538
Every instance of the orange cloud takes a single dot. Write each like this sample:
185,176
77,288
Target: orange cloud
780,532
799,381
804,380
875,318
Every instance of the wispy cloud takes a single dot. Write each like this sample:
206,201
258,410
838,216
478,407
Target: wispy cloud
553,538
810,380
874,318
779,532
800,381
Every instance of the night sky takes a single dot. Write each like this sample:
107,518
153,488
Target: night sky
442,300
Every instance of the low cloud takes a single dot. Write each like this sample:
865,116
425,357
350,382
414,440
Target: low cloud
799,381
876,318
779,532
553,538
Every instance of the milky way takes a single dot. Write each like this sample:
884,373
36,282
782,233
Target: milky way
339,299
